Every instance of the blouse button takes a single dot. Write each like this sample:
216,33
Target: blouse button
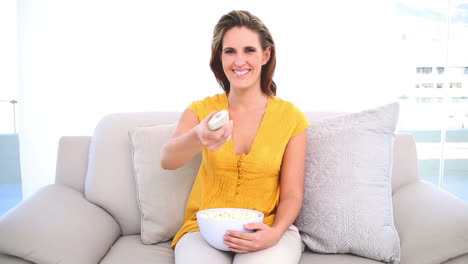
237,192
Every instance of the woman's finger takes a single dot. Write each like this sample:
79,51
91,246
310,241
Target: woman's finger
237,247
237,241
242,235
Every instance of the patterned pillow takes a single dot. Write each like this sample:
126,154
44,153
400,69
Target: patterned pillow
347,204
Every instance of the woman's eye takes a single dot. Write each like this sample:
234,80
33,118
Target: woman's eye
249,50
229,51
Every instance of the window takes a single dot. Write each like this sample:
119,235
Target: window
441,139
456,85
460,100
423,70
10,172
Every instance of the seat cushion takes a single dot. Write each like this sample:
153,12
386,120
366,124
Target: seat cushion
130,249
7,259
463,259
432,223
309,257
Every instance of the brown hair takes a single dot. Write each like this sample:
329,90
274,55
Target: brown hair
243,19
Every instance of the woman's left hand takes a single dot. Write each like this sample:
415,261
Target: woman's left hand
244,242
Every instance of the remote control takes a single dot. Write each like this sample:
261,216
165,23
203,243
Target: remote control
218,120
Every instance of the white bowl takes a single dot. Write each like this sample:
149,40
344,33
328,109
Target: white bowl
214,226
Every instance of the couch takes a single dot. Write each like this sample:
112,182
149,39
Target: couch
91,213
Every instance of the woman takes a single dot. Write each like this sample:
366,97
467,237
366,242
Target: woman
255,161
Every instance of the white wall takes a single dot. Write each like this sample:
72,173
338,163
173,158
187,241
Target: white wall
80,60
8,66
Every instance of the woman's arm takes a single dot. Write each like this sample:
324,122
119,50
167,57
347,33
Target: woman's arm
190,137
292,183
290,203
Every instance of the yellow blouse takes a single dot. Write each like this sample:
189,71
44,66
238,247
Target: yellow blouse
248,180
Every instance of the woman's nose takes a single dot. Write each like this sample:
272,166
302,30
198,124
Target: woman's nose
240,59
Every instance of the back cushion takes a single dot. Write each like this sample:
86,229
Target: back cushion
110,183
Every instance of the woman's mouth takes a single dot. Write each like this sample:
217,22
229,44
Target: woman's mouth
241,72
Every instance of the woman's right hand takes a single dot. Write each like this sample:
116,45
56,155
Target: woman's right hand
213,140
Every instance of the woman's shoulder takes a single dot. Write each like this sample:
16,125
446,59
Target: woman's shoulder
288,113
284,105
212,100
204,106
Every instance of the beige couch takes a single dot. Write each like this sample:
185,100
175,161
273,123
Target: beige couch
91,213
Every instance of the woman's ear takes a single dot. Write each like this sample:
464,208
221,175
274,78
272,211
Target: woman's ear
266,55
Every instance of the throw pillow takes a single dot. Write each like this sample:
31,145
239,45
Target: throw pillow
162,194
347,204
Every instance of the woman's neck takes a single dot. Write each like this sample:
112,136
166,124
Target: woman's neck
247,100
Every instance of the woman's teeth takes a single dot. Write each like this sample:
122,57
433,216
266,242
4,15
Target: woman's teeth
244,72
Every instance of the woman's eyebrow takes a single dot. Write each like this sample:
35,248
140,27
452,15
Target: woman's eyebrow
246,47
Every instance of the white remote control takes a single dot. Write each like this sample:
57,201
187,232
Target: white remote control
218,120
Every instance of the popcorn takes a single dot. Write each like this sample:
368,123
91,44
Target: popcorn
231,215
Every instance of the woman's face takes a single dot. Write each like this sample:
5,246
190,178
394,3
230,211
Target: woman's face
242,57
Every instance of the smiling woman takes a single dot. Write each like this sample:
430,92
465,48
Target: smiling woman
242,62
245,30
243,160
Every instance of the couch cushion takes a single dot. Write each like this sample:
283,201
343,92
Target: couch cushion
7,259
56,224
347,197
109,181
463,259
432,223
162,194
129,249
405,161
309,257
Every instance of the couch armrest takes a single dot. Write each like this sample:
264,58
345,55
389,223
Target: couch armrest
72,162
56,224
432,223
